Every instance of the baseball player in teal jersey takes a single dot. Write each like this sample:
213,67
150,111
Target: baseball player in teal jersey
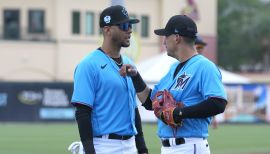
194,81
106,108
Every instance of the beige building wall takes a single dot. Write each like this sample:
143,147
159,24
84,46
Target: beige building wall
55,60
207,13
206,22
27,60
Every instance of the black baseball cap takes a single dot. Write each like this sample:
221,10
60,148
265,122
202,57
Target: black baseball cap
114,15
179,24
200,41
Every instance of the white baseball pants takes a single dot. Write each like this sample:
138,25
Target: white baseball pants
111,146
191,146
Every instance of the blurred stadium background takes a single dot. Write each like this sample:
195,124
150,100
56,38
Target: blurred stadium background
41,41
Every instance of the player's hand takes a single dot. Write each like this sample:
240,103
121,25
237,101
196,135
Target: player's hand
128,70
214,123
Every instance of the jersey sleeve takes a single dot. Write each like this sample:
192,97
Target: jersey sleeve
84,85
211,82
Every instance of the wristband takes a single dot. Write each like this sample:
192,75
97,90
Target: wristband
138,83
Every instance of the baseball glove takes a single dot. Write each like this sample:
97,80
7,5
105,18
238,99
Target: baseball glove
164,105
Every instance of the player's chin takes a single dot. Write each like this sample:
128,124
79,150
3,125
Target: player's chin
169,54
126,44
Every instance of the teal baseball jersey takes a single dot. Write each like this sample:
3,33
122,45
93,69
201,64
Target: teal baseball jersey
98,84
198,80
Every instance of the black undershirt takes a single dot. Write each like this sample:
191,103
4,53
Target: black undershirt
207,108
118,61
178,68
83,119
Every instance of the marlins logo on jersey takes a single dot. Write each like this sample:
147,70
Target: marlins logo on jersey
182,81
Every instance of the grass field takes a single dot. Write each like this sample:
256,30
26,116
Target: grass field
52,138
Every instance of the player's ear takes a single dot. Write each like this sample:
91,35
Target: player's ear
106,29
178,38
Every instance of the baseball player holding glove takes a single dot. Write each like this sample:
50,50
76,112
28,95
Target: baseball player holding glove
106,108
188,96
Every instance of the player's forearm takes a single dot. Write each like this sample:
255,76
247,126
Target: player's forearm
138,83
144,94
147,103
139,138
140,86
83,114
207,108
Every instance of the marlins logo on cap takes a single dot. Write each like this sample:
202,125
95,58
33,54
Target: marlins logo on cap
124,11
107,19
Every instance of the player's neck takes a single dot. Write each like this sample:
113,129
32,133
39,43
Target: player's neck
186,54
111,50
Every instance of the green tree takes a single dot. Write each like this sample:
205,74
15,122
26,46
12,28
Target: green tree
243,34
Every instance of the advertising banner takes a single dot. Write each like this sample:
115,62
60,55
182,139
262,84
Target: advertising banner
50,101
35,101
247,103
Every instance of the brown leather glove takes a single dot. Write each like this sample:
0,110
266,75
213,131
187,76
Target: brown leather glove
164,105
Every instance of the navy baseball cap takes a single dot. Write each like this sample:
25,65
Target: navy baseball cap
200,41
114,15
179,24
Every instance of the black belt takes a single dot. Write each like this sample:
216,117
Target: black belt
117,137
178,141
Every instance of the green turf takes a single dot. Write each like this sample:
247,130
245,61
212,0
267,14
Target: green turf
28,138
240,139
36,138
